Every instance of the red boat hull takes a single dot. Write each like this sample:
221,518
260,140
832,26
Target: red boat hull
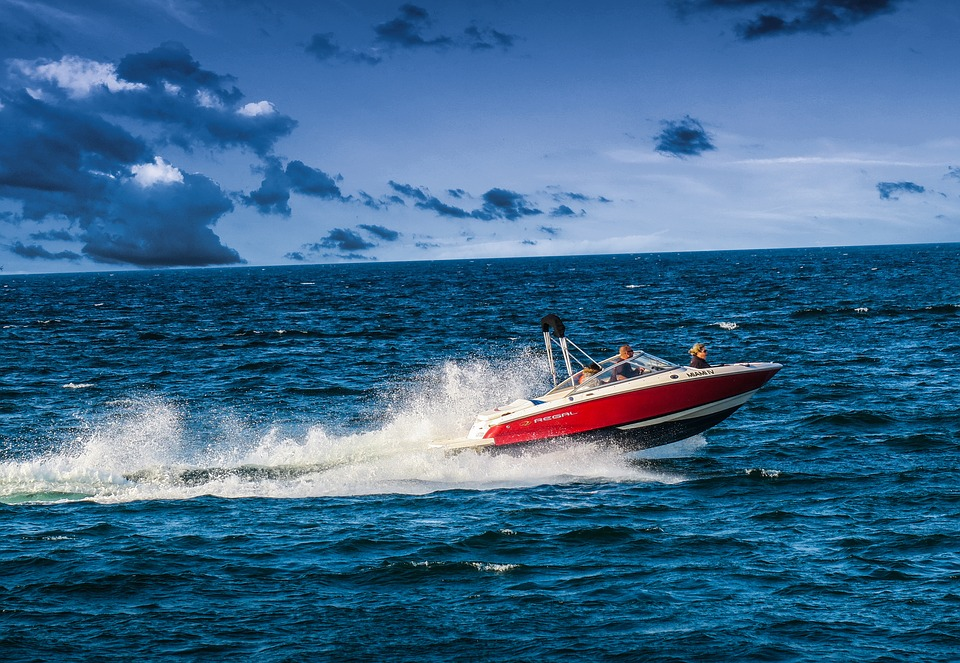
641,418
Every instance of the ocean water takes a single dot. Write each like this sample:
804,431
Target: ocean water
236,463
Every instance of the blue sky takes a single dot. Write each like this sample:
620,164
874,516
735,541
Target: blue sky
173,133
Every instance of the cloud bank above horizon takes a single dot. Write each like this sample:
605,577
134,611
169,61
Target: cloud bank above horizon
412,131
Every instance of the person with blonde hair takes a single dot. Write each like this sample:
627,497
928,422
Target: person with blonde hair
698,356
588,372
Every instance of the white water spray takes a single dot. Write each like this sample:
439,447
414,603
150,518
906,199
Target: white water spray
147,450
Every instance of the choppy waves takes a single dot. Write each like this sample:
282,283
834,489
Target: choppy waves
237,463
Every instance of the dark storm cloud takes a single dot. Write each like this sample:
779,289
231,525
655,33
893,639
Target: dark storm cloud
323,47
560,196
171,64
72,153
783,17
273,195
317,254
380,232
347,240
409,191
53,235
683,138
23,31
60,162
344,240
312,182
423,200
162,225
192,105
497,204
53,158
382,202
443,209
549,230
889,190
37,252
563,210
481,39
406,31
503,204
278,183
409,30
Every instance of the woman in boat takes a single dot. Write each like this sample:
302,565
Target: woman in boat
698,356
588,372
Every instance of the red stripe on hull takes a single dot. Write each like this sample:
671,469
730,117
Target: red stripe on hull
627,408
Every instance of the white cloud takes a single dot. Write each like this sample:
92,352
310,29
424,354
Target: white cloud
820,161
158,172
78,76
259,108
207,100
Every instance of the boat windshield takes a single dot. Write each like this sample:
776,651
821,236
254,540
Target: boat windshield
614,370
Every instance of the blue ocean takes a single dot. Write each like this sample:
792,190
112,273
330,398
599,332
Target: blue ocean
236,464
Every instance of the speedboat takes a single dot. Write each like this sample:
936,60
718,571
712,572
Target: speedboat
633,403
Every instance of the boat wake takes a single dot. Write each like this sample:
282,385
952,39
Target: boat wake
152,448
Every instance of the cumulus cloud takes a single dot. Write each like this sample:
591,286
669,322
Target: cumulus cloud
171,68
683,138
70,152
169,224
60,161
78,76
770,18
191,105
890,190
257,109
158,172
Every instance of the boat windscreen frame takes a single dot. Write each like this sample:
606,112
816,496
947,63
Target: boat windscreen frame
650,364
645,363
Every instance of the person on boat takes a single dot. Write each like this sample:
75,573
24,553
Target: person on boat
698,356
625,370
588,372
